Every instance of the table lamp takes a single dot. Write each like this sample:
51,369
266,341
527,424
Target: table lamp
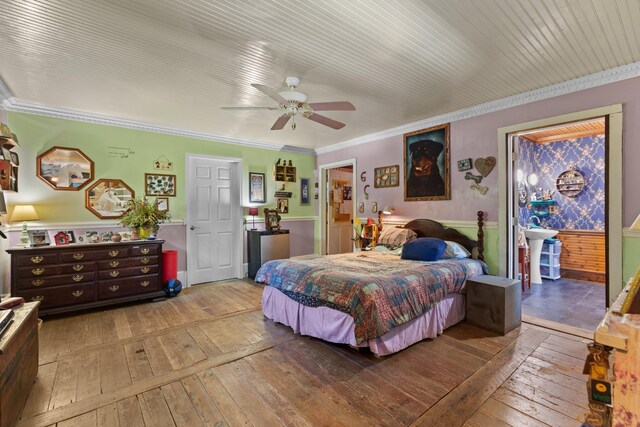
24,213
386,211
253,212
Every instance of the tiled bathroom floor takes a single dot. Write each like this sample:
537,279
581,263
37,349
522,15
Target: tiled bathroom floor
571,302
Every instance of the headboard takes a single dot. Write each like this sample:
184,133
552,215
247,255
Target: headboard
430,228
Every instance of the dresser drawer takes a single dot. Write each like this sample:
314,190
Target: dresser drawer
68,256
39,259
145,260
61,295
129,286
127,272
110,264
67,279
141,250
78,267
117,252
38,271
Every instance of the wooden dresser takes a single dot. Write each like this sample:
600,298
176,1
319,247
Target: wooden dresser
74,277
18,362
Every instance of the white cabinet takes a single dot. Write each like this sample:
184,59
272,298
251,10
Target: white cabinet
550,260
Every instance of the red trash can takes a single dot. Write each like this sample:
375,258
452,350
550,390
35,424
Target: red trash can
169,265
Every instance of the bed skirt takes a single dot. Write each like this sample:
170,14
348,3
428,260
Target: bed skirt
338,327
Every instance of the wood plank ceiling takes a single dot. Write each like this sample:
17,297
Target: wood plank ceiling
569,131
175,63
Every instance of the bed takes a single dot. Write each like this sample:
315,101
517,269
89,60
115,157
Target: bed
371,299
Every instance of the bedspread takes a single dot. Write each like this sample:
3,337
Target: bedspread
379,291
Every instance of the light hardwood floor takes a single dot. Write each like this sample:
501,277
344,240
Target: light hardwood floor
209,358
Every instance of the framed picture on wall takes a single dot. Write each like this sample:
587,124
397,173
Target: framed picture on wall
162,203
426,164
159,184
256,187
305,191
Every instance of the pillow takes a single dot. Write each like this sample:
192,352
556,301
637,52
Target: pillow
455,251
424,249
393,236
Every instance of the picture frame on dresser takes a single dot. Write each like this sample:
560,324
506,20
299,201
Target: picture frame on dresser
38,238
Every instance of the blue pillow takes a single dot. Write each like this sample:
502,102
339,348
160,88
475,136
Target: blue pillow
424,249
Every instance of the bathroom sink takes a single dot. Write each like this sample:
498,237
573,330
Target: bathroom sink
539,233
536,237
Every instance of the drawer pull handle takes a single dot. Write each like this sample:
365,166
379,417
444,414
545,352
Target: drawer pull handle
145,269
78,267
145,260
79,255
114,288
144,283
36,259
114,273
145,250
114,263
78,277
37,271
37,298
77,293
113,253
37,282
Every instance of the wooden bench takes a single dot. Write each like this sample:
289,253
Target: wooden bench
494,303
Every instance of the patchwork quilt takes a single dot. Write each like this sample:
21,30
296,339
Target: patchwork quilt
379,291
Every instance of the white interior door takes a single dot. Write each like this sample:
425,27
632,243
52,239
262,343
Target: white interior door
213,215
339,212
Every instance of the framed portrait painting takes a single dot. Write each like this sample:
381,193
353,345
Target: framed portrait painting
256,187
426,164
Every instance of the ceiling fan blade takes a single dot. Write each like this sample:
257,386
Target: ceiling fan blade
323,120
270,93
332,106
282,120
248,108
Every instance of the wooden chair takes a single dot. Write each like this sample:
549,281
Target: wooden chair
524,267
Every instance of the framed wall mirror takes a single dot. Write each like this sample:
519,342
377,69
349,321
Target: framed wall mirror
107,198
64,168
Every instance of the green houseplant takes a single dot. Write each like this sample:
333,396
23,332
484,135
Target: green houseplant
144,217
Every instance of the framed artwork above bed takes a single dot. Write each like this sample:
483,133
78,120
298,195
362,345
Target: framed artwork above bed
426,164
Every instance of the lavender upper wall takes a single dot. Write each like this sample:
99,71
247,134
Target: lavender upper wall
548,161
477,136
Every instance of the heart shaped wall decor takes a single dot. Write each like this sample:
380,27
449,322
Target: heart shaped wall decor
485,166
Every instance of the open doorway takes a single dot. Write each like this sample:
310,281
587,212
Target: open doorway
561,188
509,221
337,207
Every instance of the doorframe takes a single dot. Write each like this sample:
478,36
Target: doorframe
236,209
322,169
613,208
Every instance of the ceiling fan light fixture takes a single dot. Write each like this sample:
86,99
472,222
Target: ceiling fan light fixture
293,96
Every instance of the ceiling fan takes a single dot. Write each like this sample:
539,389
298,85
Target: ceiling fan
292,103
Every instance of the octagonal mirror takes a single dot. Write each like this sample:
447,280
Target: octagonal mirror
64,168
107,198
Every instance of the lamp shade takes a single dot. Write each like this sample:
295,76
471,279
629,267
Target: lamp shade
253,211
387,210
3,204
24,213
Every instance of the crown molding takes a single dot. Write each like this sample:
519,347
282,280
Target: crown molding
13,104
5,93
611,75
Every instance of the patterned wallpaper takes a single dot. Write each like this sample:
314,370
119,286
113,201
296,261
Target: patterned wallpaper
584,212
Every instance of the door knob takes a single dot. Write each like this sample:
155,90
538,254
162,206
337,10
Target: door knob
193,227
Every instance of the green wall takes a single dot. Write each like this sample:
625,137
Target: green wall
37,134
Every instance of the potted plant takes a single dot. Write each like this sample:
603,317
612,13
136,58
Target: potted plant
143,217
